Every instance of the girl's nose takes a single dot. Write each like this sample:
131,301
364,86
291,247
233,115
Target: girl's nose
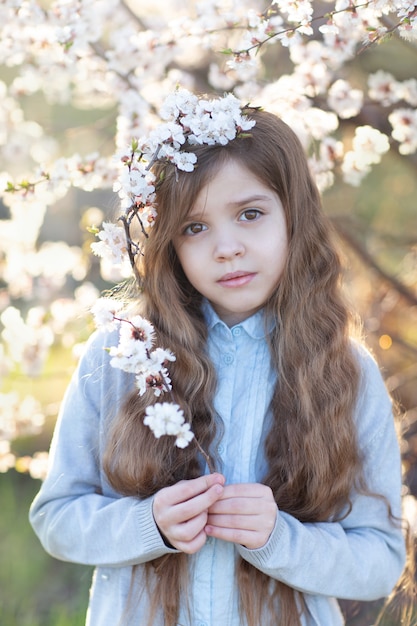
228,248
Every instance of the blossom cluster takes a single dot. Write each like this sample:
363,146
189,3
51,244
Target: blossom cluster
135,354
28,342
168,419
20,417
185,119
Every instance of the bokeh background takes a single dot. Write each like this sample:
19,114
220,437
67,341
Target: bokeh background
77,79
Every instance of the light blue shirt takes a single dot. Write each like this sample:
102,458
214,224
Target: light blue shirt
79,518
245,385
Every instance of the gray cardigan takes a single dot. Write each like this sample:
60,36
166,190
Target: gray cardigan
79,518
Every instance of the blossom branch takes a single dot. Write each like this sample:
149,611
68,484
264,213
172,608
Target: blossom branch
26,186
135,354
132,245
292,29
375,36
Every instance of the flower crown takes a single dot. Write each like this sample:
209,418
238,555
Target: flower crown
187,120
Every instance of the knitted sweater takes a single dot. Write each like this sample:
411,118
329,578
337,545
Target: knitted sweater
80,518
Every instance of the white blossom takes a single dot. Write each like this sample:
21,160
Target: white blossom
112,242
135,184
245,66
369,144
168,419
353,172
131,354
184,436
322,164
104,311
28,342
409,91
182,101
185,160
404,129
142,330
19,417
344,100
161,356
55,260
319,123
135,354
383,88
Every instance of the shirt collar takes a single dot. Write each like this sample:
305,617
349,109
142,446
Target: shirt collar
254,325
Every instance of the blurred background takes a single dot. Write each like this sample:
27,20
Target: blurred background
77,81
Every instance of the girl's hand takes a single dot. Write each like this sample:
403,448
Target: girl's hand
181,511
245,514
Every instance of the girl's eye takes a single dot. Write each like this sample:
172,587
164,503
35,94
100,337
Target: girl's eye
249,215
194,229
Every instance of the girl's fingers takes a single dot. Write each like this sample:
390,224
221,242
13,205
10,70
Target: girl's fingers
251,538
175,512
194,545
239,522
244,514
245,506
187,512
263,519
247,490
188,489
188,530
184,511
180,511
247,538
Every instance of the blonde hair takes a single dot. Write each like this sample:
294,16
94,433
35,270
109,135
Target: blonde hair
318,376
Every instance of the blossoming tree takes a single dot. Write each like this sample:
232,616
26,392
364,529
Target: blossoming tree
82,79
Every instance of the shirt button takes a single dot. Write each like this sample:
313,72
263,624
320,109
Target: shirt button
228,359
221,448
237,331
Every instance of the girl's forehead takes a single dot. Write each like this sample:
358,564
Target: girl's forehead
231,188
195,185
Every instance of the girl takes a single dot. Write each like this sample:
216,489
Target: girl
240,278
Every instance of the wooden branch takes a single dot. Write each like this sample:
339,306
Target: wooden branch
369,260
132,14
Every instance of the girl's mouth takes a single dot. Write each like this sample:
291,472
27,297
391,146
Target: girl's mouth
236,279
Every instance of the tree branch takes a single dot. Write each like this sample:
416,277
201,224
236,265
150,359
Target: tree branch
369,260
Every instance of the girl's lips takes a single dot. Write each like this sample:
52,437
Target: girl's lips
236,279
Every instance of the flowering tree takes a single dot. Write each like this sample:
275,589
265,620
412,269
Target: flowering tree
83,78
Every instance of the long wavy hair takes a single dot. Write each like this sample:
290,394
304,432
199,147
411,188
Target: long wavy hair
312,451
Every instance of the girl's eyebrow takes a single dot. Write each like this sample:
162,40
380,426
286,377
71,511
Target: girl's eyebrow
258,197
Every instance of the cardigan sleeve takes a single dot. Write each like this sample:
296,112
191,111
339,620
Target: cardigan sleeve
362,556
76,515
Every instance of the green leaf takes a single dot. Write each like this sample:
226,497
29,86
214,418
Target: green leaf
93,230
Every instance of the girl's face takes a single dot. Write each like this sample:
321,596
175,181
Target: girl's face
233,244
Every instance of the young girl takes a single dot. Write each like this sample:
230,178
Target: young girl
240,278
